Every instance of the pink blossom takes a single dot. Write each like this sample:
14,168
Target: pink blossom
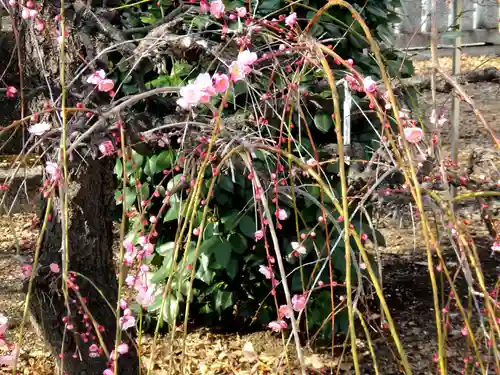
241,11
9,359
93,348
220,82
25,13
146,297
204,6
54,267
258,235
413,134
217,8
11,92
496,246
299,248
437,121
143,240
96,77
298,302
3,328
108,371
241,67
200,91
39,25
282,215
27,270
130,280
128,245
277,326
204,84
107,148
123,348
266,271
53,171
284,311
237,71
39,128
291,20
106,85
189,97
130,256
127,320
369,85
149,249
12,3
123,304
246,57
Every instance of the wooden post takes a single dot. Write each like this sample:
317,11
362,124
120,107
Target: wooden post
456,14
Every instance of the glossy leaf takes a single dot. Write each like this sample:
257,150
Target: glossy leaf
323,121
247,226
222,251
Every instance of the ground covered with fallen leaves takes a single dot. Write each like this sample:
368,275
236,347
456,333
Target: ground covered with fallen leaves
405,276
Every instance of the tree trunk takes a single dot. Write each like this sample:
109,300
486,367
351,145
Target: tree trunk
90,254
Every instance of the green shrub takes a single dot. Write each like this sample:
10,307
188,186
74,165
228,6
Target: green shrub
228,284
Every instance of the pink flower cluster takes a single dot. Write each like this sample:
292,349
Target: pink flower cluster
122,349
39,128
140,282
107,148
298,304
6,360
54,172
143,285
205,87
11,92
99,79
133,254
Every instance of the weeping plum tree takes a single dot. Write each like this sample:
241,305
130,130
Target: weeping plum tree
81,116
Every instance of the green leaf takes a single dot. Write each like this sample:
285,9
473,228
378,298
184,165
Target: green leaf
204,273
239,243
118,168
130,196
171,310
165,160
230,220
232,268
323,121
162,272
148,20
144,191
166,249
223,300
172,212
208,246
341,322
150,168
226,183
247,226
138,159
222,251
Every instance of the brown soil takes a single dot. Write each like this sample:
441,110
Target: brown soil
406,283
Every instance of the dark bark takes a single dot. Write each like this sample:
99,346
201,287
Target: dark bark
89,226
90,241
